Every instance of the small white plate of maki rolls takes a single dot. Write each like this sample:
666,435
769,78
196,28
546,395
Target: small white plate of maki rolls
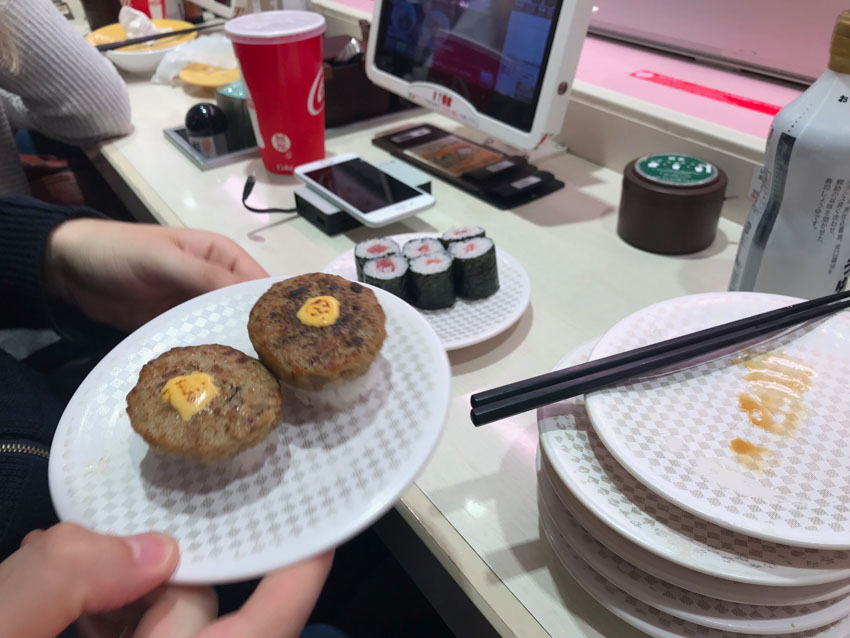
467,288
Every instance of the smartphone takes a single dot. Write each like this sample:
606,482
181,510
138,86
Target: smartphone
363,190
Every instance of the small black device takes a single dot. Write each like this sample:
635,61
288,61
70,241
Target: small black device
324,215
331,219
206,129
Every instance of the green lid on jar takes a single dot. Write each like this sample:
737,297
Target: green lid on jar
236,90
676,170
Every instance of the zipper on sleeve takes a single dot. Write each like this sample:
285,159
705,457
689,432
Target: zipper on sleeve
28,448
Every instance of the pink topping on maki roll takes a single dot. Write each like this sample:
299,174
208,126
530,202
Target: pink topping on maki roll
375,249
385,265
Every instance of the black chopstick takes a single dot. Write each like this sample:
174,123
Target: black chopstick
600,373
559,376
156,36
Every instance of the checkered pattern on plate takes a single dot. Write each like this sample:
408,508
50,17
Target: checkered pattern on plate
650,620
673,431
467,322
677,601
733,591
595,477
317,480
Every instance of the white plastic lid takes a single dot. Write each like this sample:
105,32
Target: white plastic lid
275,27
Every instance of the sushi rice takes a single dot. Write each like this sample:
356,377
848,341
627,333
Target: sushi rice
461,233
373,249
425,246
388,273
342,395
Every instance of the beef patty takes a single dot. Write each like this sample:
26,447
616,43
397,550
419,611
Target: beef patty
246,408
311,357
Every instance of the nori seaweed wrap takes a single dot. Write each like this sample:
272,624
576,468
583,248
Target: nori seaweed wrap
461,233
431,281
475,269
389,273
372,249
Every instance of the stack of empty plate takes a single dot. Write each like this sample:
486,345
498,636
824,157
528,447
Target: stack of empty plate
685,510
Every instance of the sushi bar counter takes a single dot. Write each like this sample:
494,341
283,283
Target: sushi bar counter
475,506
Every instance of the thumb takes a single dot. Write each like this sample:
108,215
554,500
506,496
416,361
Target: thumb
79,572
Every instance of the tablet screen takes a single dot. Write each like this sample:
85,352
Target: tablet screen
491,52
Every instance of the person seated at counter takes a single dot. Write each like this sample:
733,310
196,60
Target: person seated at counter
52,82
92,280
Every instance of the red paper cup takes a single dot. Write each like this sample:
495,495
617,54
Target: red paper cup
280,56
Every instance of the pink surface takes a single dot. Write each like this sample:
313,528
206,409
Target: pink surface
361,5
724,97
611,65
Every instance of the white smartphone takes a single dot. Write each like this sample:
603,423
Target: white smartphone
363,190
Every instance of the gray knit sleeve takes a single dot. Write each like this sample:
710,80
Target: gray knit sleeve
64,87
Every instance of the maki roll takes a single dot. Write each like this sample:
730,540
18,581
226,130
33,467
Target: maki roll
418,247
373,249
389,273
476,273
461,233
431,281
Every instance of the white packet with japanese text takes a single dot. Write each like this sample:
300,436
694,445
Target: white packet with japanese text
795,241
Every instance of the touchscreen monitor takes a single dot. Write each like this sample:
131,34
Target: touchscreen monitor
501,65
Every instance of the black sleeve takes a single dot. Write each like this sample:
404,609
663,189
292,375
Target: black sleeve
31,402
28,416
25,224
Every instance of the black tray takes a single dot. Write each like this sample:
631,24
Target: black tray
493,190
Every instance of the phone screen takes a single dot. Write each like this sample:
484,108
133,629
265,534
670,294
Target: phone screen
362,185
454,155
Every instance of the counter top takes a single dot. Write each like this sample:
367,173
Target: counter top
474,506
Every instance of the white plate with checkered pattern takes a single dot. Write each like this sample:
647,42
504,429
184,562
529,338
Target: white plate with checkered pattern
702,610
593,476
467,322
673,431
316,481
646,618
735,592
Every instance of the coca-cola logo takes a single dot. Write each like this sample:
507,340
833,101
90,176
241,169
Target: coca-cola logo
316,97
281,142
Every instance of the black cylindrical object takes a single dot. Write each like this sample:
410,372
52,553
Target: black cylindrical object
206,129
430,284
476,271
389,273
670,204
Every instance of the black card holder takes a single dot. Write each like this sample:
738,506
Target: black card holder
512,181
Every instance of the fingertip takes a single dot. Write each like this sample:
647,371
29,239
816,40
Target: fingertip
153,551
32,536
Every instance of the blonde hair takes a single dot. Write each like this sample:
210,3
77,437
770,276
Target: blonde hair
9,58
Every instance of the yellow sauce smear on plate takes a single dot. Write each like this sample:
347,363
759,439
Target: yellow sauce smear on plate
749,454
740,446
777,384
